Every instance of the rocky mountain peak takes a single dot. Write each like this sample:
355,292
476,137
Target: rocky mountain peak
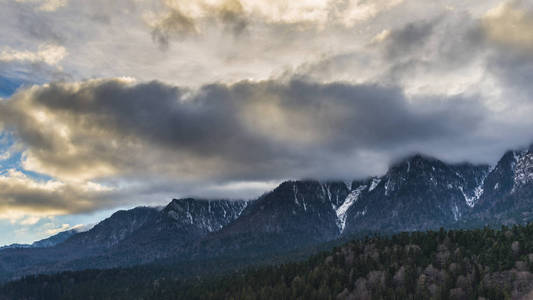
207,215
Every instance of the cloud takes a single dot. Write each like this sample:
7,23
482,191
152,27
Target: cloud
511,23
354,11
46,5
113,142
63,227
101,128
26,200
174,24
30,220
182,19
48,54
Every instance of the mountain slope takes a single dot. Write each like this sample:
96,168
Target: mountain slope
295,214
55,239
507,194
83,245
418,193
51,241
112,230
180,224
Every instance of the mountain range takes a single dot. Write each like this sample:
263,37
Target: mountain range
47,242
417,193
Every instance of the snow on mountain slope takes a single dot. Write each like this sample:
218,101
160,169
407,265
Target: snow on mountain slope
348,202
523,169
206,215
415,194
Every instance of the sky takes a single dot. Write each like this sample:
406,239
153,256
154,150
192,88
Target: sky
108,105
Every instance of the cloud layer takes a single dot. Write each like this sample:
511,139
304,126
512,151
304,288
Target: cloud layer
249,130
117,131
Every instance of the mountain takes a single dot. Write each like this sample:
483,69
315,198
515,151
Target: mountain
112,230
419,193
128,237
295,214
180,224
416,194
457,264
83,245
55,239
507,192
47,242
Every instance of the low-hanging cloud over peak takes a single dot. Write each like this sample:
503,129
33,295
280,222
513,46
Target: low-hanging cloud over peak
264,130
111,133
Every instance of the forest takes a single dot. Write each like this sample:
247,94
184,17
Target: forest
457,264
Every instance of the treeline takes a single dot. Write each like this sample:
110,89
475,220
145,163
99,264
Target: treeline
458,264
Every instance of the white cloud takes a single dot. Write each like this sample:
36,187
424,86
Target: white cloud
511,23
47,53
30,220
25,200
59,229
46,5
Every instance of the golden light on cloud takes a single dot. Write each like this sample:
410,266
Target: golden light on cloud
359,11
25,216
26,200
510,23
63,227
46,5
380,37
314,12
277,11
47,53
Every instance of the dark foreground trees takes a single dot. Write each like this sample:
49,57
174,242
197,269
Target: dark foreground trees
459,264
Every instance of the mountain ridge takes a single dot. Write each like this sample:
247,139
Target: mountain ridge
419,192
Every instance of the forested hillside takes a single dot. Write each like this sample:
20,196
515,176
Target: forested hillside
461,264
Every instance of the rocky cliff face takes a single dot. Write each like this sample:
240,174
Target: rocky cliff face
507,192
295,214
418,193
181,224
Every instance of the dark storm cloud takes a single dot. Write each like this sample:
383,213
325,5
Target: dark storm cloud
515,69
264,130
412,36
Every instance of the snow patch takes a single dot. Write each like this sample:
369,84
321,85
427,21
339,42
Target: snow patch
456,213
295,192
329,193
471,201
350,200
523,170
374,184
478,191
